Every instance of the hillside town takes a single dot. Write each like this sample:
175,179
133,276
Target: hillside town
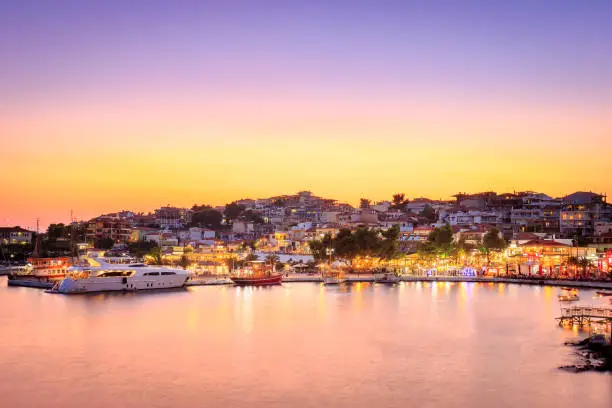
519,233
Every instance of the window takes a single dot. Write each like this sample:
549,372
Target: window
110,274
152,273
168,273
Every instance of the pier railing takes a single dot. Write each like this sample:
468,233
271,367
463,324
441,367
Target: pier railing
587,311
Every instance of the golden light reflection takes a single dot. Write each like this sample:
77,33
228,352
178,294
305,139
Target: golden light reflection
548,292
244,306
193,317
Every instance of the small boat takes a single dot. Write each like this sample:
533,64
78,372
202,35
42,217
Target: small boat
333,278
208,281
256,273
604,293
387,277
569,295
39,272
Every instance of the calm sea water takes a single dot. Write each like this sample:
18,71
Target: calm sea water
299,345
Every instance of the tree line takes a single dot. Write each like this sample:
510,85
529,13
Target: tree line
363,241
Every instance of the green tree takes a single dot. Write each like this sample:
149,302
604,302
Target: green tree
344,245
141,248
253,217
319,247
233,210
251,258
492,242
366,241
388,244
155,255
429,213
364,203
55,231
442,238
104,243
184,262
585,264
399,201
207,217
272,259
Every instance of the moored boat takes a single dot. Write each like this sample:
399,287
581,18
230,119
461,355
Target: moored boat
100,276
256,273
604,293
333,278
387,277
569,295
40,272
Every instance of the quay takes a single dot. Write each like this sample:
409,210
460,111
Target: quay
367,277
585,315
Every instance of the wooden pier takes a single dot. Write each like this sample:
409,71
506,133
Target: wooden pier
585,315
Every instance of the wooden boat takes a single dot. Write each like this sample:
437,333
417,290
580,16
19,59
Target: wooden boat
256,273
569,295
40,272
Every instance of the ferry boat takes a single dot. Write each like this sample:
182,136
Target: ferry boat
387,277
101,276
569,295
256,273
40,272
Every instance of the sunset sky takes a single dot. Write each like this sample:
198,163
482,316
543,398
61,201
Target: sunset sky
132,106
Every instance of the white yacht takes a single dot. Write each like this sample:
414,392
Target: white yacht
100,276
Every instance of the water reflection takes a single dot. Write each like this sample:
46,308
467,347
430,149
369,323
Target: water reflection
361,345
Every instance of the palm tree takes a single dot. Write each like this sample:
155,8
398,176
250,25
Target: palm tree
585,264
572,262
272,259
251,257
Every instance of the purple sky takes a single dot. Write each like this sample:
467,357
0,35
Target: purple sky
540,50
127,104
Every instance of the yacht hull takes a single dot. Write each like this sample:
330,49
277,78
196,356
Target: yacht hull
268,280
133,283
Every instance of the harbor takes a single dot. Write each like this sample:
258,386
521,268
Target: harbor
377,338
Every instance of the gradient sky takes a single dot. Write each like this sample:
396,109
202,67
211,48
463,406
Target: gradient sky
114,106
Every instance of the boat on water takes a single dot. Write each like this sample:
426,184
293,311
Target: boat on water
208,280
39,272
604,293
332,273
333,277
569,295
102,276
256,273
387,277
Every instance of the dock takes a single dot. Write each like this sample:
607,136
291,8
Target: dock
585,315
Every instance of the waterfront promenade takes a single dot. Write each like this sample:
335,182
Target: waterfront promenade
406,278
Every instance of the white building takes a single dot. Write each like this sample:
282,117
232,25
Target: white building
15,235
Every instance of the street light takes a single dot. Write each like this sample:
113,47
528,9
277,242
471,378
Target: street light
329,252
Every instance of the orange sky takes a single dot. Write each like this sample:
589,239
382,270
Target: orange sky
109,105
134,155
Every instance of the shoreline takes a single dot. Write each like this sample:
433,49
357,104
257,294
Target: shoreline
369,278
467,279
